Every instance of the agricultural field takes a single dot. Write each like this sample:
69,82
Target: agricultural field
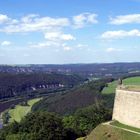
132,81
20,111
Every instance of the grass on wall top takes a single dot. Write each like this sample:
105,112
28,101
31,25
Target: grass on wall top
133,82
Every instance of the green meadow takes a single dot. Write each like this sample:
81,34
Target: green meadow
20,111
110,89
132,81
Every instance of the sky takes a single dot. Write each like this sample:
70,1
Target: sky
69,31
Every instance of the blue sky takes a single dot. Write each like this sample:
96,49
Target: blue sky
69,31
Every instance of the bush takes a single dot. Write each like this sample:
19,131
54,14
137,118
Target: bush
84,120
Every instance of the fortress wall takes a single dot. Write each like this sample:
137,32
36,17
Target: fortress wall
127,107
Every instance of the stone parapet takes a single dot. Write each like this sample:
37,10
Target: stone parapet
127,107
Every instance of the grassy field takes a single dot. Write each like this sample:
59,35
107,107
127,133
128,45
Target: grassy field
82,138
115,123
20,111
110,88
107,132
128,81
132,81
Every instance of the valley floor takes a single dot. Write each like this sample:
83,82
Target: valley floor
20,111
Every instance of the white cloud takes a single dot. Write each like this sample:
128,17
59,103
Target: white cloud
81,46
124,19
45,44
58,36
66,48
37,23
29,18
120,34
112,50
3,18
5,43
54,39
84,19
31,23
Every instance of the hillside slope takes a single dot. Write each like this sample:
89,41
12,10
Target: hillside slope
108,132
69,102
12,85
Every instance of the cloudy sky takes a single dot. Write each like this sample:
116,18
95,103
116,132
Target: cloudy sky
69,31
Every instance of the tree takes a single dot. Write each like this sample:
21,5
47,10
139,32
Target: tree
86,119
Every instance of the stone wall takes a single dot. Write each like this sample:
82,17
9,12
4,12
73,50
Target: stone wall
127,107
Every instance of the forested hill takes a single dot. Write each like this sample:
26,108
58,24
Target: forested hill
96,70
15,84
79,97
79,111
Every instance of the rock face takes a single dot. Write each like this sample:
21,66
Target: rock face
127,107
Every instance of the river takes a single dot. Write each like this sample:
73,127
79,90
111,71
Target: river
1,124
